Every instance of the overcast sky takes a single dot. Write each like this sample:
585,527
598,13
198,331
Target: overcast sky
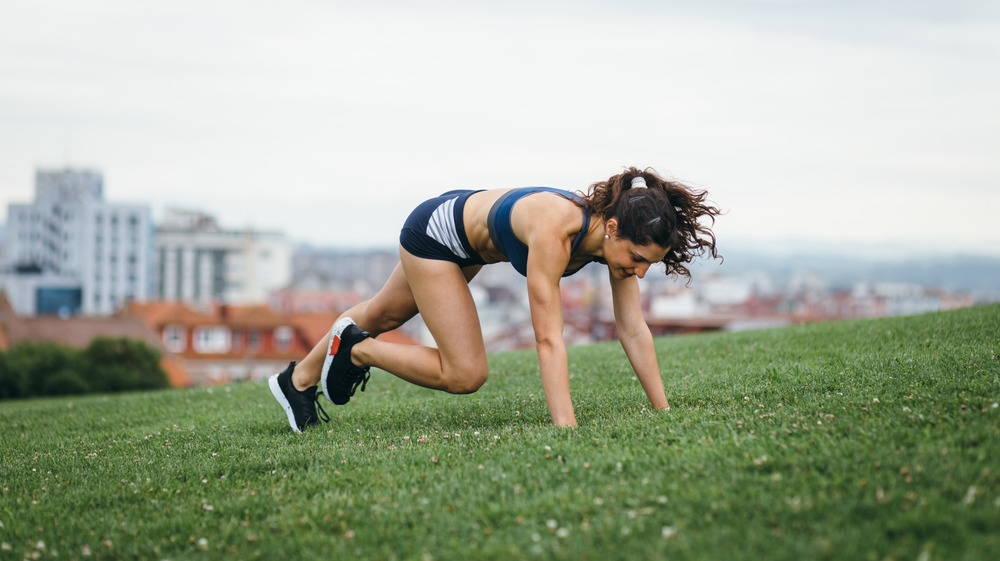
847,124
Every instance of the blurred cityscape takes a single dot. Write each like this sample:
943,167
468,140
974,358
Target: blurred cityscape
226,304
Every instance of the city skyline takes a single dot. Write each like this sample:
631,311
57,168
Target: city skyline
839,124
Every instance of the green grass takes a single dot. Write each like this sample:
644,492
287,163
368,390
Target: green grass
855,440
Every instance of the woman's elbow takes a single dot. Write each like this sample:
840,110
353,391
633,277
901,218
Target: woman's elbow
639,334
546,342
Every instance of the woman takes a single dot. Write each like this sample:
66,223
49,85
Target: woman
630,221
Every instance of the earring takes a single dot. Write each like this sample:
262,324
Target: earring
607,237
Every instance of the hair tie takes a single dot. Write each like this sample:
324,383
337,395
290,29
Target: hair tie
638,182
653,221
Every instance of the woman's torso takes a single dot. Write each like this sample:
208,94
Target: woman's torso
477,215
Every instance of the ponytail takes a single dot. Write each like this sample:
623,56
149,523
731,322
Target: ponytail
650,209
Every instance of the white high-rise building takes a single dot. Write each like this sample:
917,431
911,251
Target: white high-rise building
71,252
198,262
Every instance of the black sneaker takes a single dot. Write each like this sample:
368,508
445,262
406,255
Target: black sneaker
300,406
340,378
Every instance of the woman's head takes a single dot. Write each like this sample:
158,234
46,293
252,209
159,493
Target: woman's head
649,209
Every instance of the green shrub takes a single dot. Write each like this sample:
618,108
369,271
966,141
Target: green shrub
121,364
13,382
30,364
106,365
66,382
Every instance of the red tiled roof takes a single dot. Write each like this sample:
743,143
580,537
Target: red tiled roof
261,316
158,314
80,331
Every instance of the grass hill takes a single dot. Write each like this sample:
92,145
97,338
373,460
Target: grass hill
871,439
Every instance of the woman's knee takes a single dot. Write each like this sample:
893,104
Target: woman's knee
467,378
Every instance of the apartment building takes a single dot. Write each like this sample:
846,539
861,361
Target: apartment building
71,252
197,262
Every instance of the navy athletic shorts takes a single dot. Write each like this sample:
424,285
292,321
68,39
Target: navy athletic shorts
436,230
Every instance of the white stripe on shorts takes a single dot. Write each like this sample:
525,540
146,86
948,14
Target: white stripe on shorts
441,228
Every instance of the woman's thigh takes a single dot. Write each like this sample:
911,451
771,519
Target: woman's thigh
440,291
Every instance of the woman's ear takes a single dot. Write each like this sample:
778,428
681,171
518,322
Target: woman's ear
611,227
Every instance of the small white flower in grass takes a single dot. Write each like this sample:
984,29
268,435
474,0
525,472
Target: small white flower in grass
551,524
536,537
626,530
970,495
668,532
349,534
5,546
85,551
598,501
562,532
208,507
874,400
40,545
203,544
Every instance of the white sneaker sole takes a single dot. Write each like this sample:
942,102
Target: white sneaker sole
335,333
283,401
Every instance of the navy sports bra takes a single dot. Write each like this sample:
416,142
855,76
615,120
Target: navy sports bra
503,236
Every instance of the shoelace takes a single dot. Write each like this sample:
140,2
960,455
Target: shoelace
349,383
321,414
361,379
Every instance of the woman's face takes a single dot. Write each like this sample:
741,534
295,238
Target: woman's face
626,258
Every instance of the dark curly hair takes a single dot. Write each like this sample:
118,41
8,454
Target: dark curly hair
666,213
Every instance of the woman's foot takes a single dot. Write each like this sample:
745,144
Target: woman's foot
340,377
300,406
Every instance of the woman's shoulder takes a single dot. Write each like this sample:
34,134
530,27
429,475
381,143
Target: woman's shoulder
547,211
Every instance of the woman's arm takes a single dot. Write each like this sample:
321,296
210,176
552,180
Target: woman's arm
545,302
547,232
637,340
